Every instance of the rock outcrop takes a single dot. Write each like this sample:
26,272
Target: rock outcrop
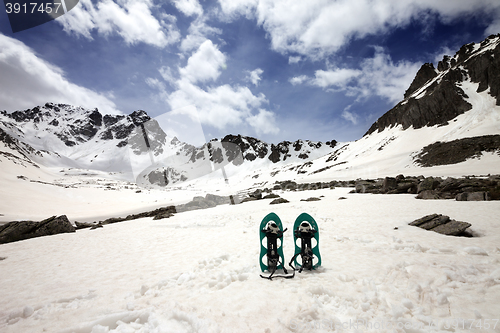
20,230
456,151
442,224
460,189
435,96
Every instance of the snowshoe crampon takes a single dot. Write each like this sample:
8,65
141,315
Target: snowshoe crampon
306,240
271,246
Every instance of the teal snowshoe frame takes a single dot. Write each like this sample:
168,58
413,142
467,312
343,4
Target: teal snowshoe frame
304,217
263,250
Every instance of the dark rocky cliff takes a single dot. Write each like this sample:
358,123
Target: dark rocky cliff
435,96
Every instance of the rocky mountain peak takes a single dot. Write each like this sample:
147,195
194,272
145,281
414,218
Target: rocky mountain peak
424,74
436,96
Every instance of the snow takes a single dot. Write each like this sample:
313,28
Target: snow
198,271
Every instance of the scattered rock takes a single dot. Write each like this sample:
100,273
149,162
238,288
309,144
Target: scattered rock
248,199
473,196
278,201
389,184
427,194
83,225
428,184
16,231
257,194
271,196
342,198
311,199
3,258
95,226
441,224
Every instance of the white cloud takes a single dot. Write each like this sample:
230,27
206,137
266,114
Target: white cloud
316,28
27,81
384,78
167,75
218,106
131,19
339,77
205,64
263,122
294,60
378,76
189,7
254,76
233,8
197,34
155,83
349,116
298,79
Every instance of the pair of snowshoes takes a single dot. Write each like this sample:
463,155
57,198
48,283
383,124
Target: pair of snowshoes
306,240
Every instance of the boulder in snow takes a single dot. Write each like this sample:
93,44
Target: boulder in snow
16,231
441,224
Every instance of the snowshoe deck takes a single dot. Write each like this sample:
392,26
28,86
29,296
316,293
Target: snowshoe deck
305,247
265,241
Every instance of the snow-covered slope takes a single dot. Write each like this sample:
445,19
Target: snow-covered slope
61,136
460,99
199,272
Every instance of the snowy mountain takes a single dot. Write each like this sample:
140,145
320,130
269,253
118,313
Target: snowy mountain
58,135
454,108
460,99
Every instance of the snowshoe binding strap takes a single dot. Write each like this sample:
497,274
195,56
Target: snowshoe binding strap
305,233
273,259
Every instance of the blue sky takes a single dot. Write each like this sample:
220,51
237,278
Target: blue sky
276,70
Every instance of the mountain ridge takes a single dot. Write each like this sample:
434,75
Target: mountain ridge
435,95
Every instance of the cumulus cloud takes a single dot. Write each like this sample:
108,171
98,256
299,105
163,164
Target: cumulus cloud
294,60
254,76
384,78
339,77
349,116
205,64
219,106
263,122
298,79
198,32
378,76
317,28
189,7
131,19
27,81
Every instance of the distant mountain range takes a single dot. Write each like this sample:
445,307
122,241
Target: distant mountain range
458,99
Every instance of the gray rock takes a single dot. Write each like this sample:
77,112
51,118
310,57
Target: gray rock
271,196
472,196
441,224
164,215
389,184
311,199
452,228
427,195
248,199
257,194
83,225
96,226
16,231
278,201
219,200
429,183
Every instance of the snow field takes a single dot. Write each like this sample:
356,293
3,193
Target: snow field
198,271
